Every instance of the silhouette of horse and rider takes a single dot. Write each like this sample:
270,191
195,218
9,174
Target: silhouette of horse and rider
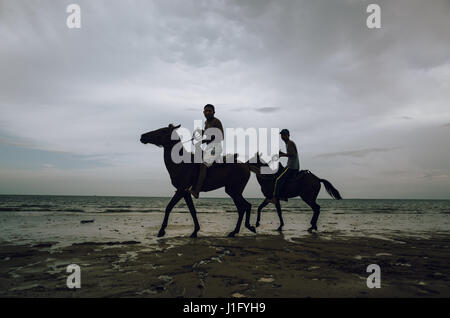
215,171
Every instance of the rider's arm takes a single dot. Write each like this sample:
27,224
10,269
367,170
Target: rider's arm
219,125
290,151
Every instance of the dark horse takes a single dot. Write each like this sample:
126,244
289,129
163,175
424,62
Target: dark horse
305,184
233,176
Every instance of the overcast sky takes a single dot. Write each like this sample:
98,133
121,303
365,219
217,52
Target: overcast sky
369,109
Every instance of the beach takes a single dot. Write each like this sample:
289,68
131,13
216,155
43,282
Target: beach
119,254
258,266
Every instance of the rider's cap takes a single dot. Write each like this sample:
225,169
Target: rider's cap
284,132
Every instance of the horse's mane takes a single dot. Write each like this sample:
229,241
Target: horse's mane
261,163
269,176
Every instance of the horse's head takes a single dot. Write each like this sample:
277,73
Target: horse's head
160,137
257,161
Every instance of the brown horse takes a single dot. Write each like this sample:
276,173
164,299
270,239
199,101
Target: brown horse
233,176
305,184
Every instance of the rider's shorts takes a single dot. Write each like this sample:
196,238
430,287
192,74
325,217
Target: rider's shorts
212,152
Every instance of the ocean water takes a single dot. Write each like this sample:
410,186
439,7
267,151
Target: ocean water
111,204
58,219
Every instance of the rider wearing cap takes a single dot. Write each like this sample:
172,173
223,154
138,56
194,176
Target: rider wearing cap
292,167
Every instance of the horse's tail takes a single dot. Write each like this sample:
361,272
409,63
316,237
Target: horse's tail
332,191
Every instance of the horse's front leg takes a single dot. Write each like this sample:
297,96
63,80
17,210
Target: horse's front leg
176,197
190,204
261,206
278,206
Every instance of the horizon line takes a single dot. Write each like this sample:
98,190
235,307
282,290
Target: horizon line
224,197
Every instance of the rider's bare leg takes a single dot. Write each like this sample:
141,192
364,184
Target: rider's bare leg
200,180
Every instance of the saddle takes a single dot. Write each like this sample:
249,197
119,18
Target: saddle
270,180
299,175
220,162
228,158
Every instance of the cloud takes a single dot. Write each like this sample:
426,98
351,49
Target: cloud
433,176
355,153
14,156
4,141
267,109
140,65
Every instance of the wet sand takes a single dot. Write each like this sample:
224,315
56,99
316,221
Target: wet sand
315,265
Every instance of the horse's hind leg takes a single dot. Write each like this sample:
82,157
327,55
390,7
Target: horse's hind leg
310,196
316,208
241,210
190,204
248,209
277,205
261,206
177,196
240,217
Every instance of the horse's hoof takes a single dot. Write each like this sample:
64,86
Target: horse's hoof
312,228
232,234
251,228
161,233
280,229
257,224
193,235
